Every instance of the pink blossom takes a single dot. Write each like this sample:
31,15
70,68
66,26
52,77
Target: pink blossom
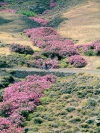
22,97
77,61
8,10
52,3
42,21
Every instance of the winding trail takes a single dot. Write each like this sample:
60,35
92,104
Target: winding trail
60,70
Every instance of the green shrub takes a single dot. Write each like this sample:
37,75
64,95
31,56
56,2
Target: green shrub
27,13
92,102
30,116
68,131
84,125
55,125
89,53
10,79
15,60
89,121
70,109
75,120
38,120
63,63
40,108
45,100
21,49
3,63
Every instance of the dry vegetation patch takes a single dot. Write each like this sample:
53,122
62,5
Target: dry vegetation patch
83,23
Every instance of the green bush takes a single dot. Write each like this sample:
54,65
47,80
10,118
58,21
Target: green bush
84,125
89,121
75,120
92,102
89,53
38,120
21,49
63,63
40,108
55,125
68,131
45,100
70,109
26,13
15,60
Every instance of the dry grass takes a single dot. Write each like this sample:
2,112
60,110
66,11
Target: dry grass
4,51
19,38
83,23
11,28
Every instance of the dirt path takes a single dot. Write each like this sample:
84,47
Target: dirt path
64,70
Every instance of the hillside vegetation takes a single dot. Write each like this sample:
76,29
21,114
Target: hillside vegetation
75,20
49,35
71,105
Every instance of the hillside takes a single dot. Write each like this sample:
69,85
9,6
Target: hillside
79,21
49,53
76,20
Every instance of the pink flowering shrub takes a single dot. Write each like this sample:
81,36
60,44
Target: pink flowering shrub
51,42
90,49
40,36
97,50
21,49
44,36
59,49
6,126
21,98
51,63
52,3
96,45
41,21
8,10
77,61
3,4
84,47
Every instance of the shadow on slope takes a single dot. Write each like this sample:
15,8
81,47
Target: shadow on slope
55,22
15,23
3,21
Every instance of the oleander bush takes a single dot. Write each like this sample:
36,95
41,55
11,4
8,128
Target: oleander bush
8,10
40,36
53,45
59,49
41,21
77,61
21,49
6,126
20,99
3,4
51,63
90,49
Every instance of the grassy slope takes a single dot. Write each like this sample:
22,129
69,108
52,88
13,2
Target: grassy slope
70,106
78,20
75,19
